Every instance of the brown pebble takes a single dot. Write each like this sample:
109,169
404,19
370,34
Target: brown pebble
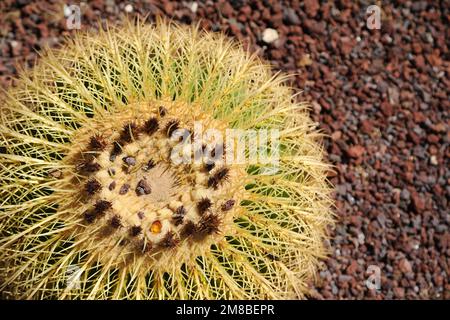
112,186
143,188
228,205
169,240
124,189
131,161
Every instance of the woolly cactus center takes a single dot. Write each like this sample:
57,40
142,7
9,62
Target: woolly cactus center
130,191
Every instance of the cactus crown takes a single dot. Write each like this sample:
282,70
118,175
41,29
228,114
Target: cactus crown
93,204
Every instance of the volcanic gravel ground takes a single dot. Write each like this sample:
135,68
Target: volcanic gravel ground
382,96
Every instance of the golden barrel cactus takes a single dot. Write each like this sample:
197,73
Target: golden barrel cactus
100,197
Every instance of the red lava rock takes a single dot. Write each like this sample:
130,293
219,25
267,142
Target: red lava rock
405,266
366,126
387,109
346,45
336,135
226,9
168,7
356,151
418,202
311,7
420,61
399,292
352,268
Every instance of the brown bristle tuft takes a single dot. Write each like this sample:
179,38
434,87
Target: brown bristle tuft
213,182
116,150
101,206
97,143
228,205
92,186
218,177
169,240
222,173
203,205
150,165
89,216
135,231
162,111
88,167
208,224
144,246
129,132
116,222
171,126
179,215
188,229
209,166
151,126
272,257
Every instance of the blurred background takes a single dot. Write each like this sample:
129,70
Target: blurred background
377,76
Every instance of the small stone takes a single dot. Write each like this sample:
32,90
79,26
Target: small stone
386,109
168,8
336,135
356,151
311,7
399,292
346,45
405,266
16,48
269,35
433,160
193,7
112,186
418,202
291,16
226,9
352,268
393,95
228,205
128,8
143,188
305,61
344,278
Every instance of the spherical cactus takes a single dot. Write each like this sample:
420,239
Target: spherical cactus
111,187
